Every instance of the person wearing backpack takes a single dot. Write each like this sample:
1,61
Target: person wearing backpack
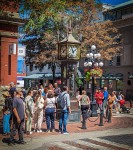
85,106
63,103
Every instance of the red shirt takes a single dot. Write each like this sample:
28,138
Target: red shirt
122,102
99,97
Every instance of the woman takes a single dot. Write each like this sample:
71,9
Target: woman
49,111
38,115
116,101
111,100
29,108
85,105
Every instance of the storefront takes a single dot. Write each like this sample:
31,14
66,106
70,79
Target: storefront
35,79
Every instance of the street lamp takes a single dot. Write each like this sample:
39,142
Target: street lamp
93,61
53,67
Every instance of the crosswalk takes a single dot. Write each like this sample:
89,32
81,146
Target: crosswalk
89,144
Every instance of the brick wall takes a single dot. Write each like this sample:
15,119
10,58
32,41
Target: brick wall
5,78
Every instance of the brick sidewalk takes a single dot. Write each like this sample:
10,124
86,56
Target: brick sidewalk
117,122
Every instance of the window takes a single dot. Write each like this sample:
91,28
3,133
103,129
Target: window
118,61
110,62
119,85
119,15
9,64
20,51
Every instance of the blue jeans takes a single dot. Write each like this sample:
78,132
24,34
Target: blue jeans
49,114
63,120
6,123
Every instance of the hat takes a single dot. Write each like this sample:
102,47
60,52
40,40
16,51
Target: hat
12,83
18,90
50,91
6,93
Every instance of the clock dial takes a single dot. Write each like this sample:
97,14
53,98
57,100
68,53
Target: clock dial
73,51
63,51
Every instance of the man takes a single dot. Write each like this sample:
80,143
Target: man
99,99
57,90
105,93
65,110
12,89
18,118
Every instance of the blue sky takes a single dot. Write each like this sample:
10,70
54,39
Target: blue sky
114,2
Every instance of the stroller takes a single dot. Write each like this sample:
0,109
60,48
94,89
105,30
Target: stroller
123,108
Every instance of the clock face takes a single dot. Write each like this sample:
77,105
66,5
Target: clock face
73,51
63,51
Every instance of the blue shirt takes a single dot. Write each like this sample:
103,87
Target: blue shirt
67,99
105,93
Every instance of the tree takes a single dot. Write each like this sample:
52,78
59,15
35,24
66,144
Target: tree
47,20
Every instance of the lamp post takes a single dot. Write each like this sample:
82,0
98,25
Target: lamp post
53,67
93,61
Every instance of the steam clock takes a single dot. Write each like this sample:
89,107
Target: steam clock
69,55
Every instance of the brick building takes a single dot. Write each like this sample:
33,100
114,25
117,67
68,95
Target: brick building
118,72
9,22
122,66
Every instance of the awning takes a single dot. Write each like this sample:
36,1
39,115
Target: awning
42,76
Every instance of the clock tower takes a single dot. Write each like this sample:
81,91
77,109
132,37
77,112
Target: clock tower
69,55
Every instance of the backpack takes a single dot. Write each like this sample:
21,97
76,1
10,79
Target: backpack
61,101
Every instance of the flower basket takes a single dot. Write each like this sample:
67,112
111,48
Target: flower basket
96,72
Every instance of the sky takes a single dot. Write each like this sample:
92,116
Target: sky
114,2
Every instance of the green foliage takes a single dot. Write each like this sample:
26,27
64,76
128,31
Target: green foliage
96,72
47,22
88,75
79,81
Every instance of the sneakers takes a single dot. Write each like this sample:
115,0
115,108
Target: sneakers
39,131
65,133
60,131
53,130
29,133
21,142
47,131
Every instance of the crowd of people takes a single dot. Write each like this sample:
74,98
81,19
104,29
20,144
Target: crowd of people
104,100
25,111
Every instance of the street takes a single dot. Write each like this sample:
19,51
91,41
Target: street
117,135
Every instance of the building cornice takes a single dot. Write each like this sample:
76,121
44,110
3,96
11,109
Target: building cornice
8,17
15,21
123,22
9,34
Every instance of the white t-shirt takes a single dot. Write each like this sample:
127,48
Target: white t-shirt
50,102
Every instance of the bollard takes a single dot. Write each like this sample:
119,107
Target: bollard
109,115
84,120
130,103
101,118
